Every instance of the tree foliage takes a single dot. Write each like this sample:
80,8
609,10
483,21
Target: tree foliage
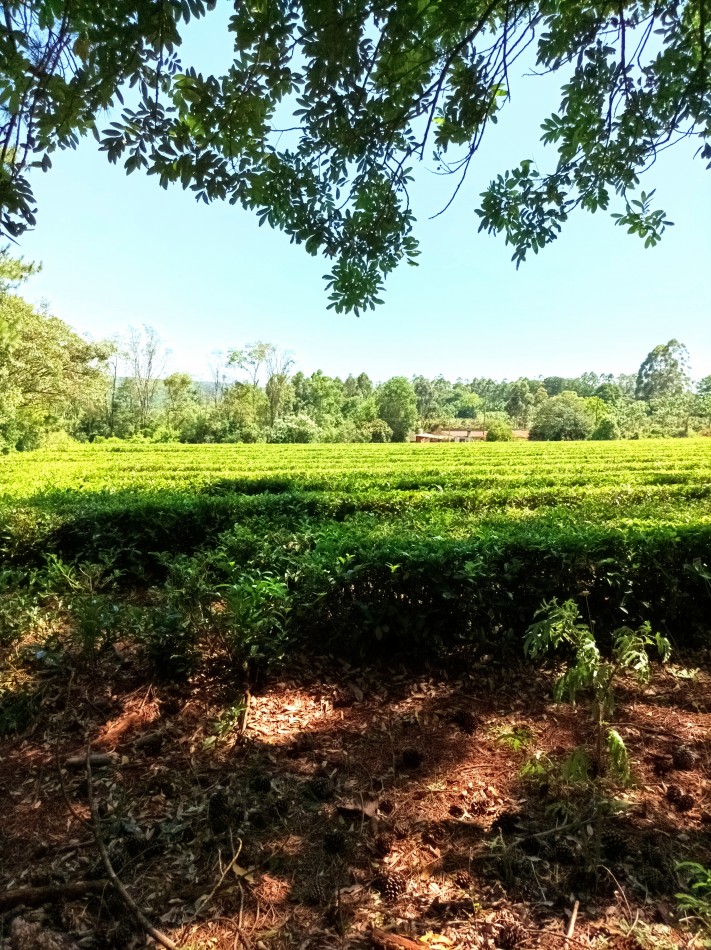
397,406
563,418
316,123
664,372
47,371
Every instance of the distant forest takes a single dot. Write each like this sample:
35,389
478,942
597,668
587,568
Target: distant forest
55,386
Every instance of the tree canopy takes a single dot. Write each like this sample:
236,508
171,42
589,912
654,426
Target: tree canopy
47,371
317,121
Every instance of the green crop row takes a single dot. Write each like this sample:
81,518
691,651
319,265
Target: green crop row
417,548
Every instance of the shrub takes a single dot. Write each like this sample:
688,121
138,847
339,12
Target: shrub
168,639
562,418
606,431
379,431
294,429
560,628
499,432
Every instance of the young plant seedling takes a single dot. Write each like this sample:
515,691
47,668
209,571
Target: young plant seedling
560,626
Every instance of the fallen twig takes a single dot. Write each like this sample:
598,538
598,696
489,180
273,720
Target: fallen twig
244,718
203,901
98,760
390,941
157,935
35,896
571,925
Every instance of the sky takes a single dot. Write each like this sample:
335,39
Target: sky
118,251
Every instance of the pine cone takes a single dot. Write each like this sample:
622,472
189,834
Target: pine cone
510,932
663,765
321,787
383,844
683,759
411,759
654,852
463,879
456,811
391,885
386,806
276,809
317,893
465,720
219,812
260,819
685,802
674,793
654,880
564,852
613,845
506,822
434,836
334,841
261,783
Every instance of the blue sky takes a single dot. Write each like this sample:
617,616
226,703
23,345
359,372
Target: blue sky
120,251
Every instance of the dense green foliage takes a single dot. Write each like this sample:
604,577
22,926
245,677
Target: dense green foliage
316,122
55,383
417,548
50,378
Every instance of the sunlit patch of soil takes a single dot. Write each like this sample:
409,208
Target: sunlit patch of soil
343,800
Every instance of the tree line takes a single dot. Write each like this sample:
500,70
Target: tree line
54,384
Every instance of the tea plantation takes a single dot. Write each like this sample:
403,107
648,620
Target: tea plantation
354,549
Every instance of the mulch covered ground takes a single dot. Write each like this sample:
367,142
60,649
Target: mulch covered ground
352,807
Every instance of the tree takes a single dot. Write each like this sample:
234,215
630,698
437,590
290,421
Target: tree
48,373
277,389
318,119
299,429
561,418
606,430
429,402
251,360
469,405
319,396
181,400
519,405
702,402
146,360
397,406
610,393
499,431
664,372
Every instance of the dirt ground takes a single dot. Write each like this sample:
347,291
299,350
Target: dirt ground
349,808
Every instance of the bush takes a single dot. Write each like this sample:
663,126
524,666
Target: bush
562,418
607,430
499,432
379,431
294,429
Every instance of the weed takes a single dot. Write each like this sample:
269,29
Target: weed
228,719
19,610
696,900
560,627
18,708
95,620
517,739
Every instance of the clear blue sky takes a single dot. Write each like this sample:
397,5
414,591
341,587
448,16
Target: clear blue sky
119,251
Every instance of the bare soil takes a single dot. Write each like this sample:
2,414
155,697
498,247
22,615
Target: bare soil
342,800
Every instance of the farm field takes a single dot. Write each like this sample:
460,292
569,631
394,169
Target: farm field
304,668
398,541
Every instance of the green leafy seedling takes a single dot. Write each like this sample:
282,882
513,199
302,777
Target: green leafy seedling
560,627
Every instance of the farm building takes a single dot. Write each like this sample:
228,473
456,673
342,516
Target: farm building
462,435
